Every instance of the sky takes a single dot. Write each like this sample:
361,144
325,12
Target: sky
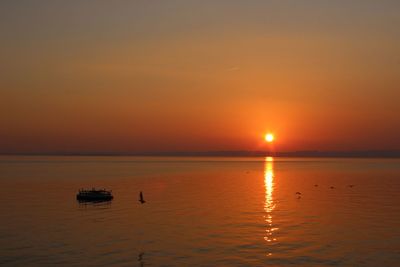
143,76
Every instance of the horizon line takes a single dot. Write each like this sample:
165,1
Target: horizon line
223,153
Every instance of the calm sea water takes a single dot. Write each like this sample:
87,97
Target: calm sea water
200,212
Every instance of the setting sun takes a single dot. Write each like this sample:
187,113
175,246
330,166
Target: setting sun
269,137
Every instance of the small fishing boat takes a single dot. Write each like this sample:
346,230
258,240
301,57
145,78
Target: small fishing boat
94,195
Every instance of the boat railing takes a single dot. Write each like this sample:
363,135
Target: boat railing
93,190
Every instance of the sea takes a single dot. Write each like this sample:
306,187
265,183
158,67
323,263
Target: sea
200,211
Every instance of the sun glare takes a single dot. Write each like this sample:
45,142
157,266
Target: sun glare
269,137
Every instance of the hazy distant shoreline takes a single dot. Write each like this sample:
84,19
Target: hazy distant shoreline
342,154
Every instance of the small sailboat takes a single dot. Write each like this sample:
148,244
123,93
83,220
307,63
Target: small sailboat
141,199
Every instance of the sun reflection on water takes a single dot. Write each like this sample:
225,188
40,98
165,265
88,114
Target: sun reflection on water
269,205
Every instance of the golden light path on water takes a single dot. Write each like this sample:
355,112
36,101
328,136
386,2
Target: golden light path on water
269,205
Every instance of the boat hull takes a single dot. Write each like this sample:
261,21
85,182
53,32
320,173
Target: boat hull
93,198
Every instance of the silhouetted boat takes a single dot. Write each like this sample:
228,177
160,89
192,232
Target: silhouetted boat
94,195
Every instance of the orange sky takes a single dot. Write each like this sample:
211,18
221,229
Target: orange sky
199,76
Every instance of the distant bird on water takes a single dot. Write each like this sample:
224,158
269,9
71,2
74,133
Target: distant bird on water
298,193
316,185
351,185
140,259
332,187
141,199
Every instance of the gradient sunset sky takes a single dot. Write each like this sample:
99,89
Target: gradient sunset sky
131,76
